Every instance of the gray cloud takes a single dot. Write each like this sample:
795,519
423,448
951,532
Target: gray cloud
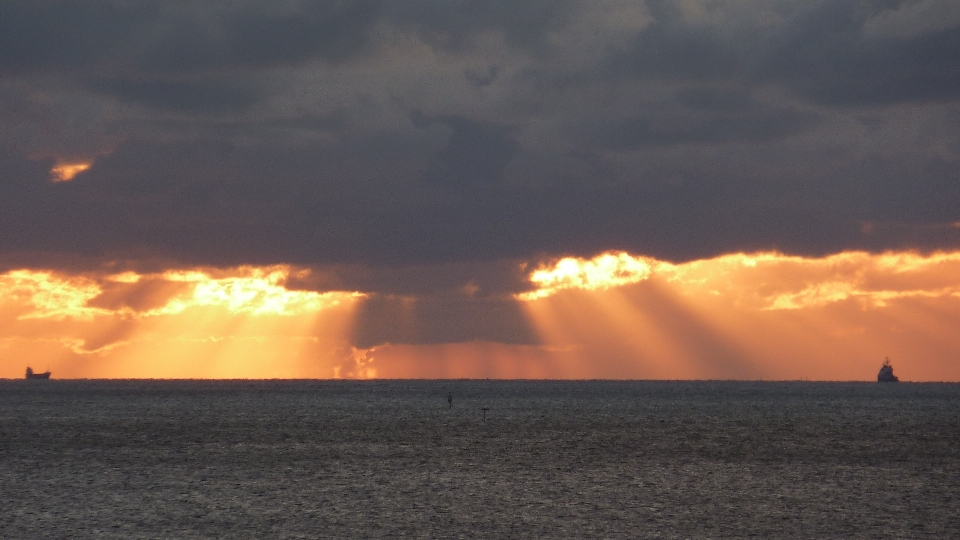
751,127
475,153
454,24
438,320
913,19
828,56
191,95
110,37
384,137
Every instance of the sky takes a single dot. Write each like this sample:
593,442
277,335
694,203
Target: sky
683,189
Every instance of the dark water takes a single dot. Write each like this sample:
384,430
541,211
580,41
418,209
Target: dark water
307,459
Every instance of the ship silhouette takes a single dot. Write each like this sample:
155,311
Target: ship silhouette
886,372
32,375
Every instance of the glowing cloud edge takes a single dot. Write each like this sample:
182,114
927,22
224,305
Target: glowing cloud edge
846,273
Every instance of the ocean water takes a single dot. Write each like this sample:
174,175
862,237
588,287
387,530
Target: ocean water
312,459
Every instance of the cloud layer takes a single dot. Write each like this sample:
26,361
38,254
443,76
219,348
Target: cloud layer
763,315
432,135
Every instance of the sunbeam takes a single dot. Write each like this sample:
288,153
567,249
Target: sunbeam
241,324
758,316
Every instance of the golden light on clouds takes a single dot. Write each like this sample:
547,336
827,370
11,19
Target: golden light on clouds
49,296
66,171
256,291
601,272
758,316
617,315
239,323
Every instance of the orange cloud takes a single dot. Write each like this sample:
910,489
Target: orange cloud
740,316
242,323
759,316
602,272
48,296
66,171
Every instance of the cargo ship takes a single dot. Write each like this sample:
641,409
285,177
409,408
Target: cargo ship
32,375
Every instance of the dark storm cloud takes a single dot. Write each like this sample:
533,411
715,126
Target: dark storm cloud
65,35
830,56
209,205
453,24
438,320
196,96
457,137
671,46
824,51
716,99
475,280
482,78
475,154
196,57
144,295
750,127
106,36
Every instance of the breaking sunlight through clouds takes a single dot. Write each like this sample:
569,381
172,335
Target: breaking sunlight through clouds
601,272
240,323
754,316
617,315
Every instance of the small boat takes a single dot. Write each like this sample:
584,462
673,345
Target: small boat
886,372
32,375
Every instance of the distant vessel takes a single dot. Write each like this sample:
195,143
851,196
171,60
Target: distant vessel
32,375
886,372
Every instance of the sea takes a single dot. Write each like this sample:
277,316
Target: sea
478,459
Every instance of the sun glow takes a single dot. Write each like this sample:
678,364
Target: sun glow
50,296
256,291
762,315
601,272
740,316
240,322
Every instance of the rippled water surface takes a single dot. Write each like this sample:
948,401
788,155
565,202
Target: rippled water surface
309,459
